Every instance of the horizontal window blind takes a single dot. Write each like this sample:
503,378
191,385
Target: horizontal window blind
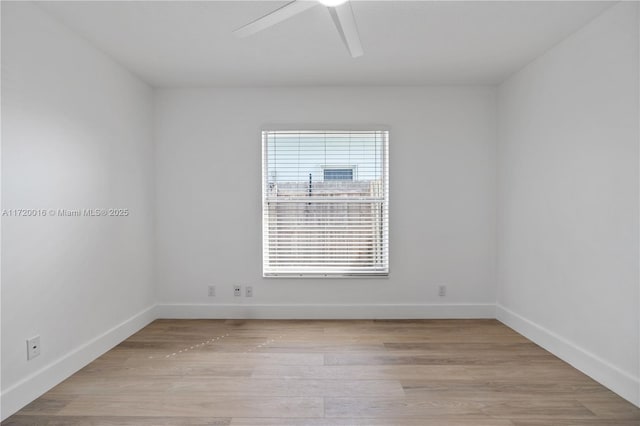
325,203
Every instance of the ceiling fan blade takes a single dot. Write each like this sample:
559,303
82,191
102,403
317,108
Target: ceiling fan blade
346,25
285,12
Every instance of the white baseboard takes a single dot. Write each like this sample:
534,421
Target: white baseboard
620,382
333,311
31,387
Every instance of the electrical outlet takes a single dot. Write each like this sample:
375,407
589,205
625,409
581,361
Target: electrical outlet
442,290
212,291
248,291
237,290
33,347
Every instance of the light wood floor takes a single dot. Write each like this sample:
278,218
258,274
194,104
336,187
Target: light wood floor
279,373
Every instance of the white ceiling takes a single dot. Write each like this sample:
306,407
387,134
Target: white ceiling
184,43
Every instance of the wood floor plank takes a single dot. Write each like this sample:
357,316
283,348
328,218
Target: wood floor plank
150,405
228,386
609,406
175,368
329,372
551,409
548,373
402,407
503,389
363,372
202,356
462,407
47,405
22,420
437,358
370,421
574,422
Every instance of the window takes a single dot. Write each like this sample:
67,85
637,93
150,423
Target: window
320,216
338,174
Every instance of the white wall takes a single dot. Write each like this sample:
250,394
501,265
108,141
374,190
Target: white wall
442,162
76,133
568,200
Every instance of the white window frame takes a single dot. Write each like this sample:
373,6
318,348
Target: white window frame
380,269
